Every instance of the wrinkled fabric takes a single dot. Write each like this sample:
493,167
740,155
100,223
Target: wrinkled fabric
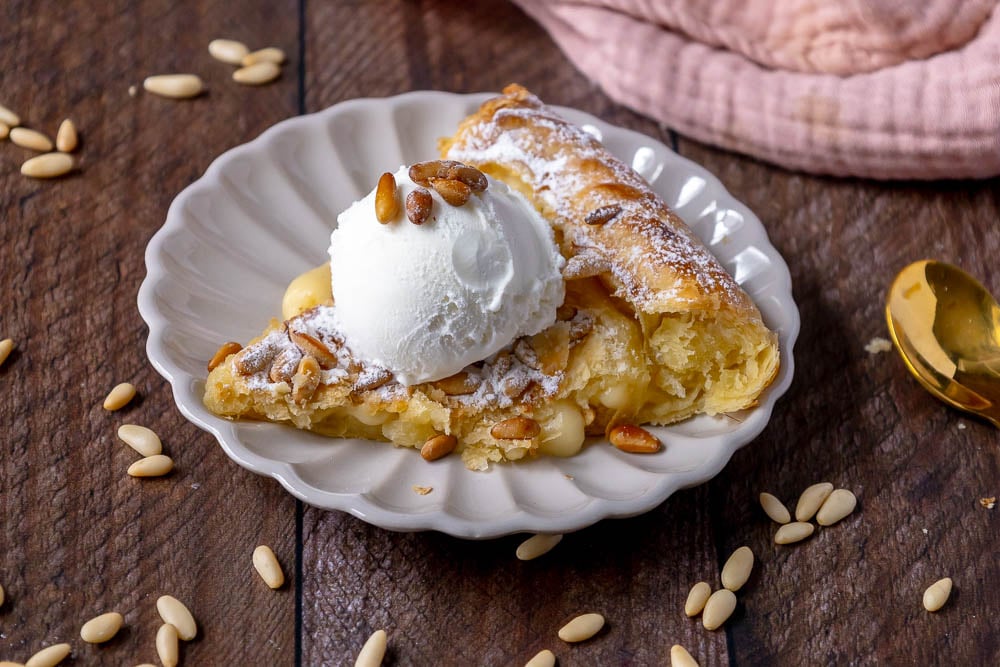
889,89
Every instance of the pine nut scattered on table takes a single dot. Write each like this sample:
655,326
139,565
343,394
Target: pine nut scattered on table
157,465
49,656
837,506
373,651
581,628
101,628
697,598
271,54
937,594
544,658
718,609
793,532
268,567
176,86
537,545
737,569
679,657
774,508
141,439
48,165
31,139
811,499
175,613
8,117
257,74
229,51
119,397
6,347
66,137
166,645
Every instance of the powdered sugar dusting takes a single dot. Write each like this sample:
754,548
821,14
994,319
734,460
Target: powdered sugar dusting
571,174
500,380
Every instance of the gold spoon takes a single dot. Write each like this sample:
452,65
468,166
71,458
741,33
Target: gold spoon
946,326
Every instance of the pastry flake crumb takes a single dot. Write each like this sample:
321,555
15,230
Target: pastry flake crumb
961,426
878,344
988,503
422,490
569,477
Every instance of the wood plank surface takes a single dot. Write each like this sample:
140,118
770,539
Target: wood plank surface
79,537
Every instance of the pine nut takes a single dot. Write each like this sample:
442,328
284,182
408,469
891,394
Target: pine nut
271,54
66,137
811,499
452,191
438,446
6,347
544,658
634,439
257,74
737,569
175,614
228,50
49,656
537,545
840,503
141,439
718,609
306,379
793,532
49,165
222,354
373,651
119,397
102,628
4,131
386,198
418,206
166,645
679,657
176,86
774,508
151,466
268,567
697,598
516,428
313,346
32,139
937,594
603,215
8,117
581,628
8,663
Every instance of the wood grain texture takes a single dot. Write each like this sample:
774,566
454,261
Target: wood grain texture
78,536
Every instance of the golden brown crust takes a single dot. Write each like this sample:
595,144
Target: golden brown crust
657,263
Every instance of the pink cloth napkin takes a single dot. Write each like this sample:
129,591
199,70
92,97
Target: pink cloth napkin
876,88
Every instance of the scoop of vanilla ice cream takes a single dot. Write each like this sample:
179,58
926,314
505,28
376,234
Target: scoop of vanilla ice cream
424,301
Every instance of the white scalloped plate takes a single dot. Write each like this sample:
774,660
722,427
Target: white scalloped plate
263,213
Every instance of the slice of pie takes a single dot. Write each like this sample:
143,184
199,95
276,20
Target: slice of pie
652,330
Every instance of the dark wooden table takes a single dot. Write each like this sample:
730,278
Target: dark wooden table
79,537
